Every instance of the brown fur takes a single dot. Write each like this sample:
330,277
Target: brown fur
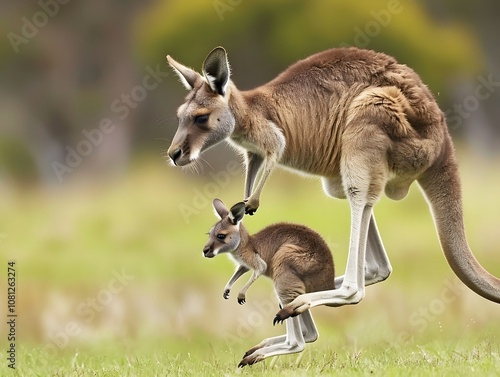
363,122
298,259
295,257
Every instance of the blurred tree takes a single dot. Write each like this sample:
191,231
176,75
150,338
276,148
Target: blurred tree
284,31
65,77
263,37
480,126
62,67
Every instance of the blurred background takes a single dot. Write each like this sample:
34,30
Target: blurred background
107,236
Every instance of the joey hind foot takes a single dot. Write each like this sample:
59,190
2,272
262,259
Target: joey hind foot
251,359
252,350
226,294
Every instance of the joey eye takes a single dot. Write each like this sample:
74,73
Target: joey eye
221,236
201,119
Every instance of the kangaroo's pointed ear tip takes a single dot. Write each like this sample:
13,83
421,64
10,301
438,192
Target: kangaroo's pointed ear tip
239,208
218,50
220,208
237,212
218,203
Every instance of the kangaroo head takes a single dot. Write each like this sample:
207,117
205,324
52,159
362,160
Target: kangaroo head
205,118
224,236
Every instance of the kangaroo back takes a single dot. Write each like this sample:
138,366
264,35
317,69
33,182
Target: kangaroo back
297,252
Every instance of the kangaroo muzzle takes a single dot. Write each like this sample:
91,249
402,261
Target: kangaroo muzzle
208,252
182,155
174,153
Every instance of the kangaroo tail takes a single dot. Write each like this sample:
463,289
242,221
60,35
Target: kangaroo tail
441,186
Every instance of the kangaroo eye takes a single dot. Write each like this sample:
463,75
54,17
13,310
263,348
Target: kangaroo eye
201,119
221,236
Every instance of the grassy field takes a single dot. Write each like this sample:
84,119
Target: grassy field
111,281
474,356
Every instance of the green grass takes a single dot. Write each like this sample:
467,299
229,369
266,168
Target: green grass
470,356
69,243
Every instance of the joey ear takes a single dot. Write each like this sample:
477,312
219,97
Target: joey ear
237,212
220,208
187,75
216,70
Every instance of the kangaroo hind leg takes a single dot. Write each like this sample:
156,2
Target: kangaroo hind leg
364,172
298,330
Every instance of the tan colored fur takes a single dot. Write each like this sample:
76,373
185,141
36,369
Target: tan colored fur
360,120
295,257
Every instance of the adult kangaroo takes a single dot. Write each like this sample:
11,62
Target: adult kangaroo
358,119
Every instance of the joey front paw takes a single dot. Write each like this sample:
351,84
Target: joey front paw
241,299
226,294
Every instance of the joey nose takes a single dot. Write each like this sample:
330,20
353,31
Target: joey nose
207,252
175,154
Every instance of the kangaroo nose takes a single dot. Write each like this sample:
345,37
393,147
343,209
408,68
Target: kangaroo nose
175,154
207,252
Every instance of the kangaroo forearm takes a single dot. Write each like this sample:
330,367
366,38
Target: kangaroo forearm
254,277
254,162
237,274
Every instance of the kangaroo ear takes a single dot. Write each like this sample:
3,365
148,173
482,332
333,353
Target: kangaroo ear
216,70
187,76
220,208
237,212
